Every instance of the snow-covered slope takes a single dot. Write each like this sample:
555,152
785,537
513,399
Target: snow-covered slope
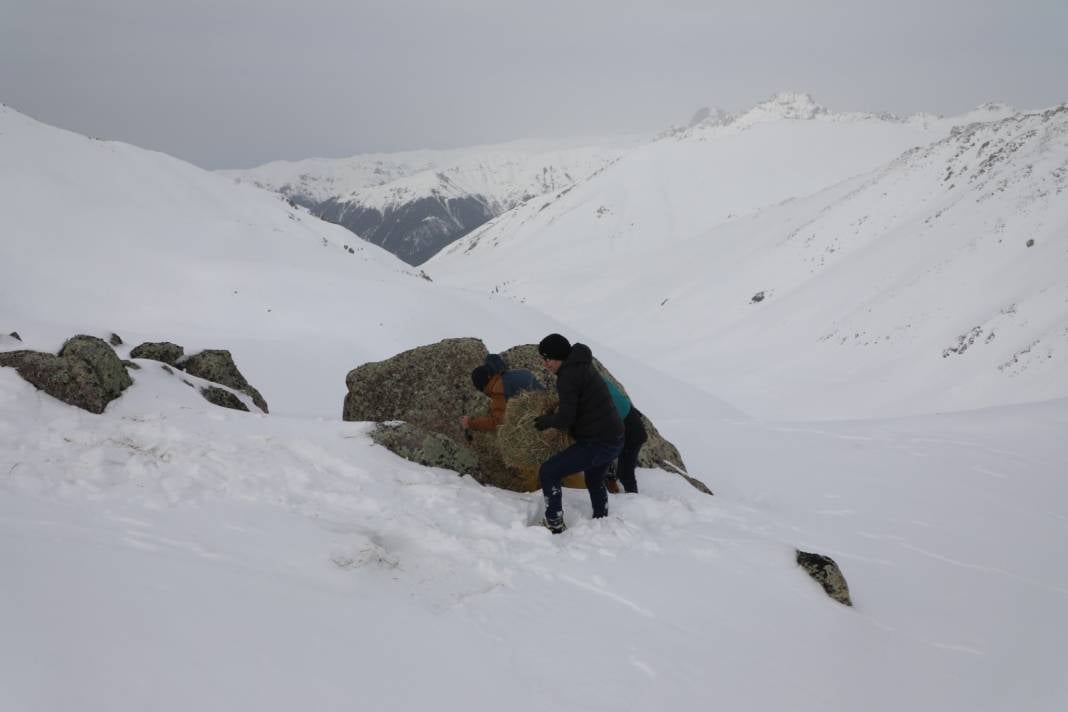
865,298
694,179
165,556
102,237
415,202
172,555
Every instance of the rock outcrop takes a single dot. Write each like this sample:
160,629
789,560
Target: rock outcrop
163,351
102,360
217,365
87,373
428,388
223,398
827,574
425,447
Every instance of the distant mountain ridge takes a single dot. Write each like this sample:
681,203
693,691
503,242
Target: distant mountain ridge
935,280
416,202
800,106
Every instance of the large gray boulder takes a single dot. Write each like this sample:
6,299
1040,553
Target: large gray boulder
102,359
218,365
87,373
429,388
163,351
425,447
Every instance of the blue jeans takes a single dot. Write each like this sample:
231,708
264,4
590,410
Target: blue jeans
583,456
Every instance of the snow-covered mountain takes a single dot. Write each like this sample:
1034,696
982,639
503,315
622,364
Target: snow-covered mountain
172,555
413,203
156,249
937,281
797,106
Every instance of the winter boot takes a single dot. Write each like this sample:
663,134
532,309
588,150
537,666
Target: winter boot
554,524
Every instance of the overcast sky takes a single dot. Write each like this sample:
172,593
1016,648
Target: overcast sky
236,83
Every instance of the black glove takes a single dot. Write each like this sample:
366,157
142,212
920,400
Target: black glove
542,422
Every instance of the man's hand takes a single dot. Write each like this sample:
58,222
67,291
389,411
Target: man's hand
541,422
464,420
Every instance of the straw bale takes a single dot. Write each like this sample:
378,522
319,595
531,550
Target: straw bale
520,443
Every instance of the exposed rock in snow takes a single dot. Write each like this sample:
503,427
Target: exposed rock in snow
163,351
827,574
218,365
223,398
87,373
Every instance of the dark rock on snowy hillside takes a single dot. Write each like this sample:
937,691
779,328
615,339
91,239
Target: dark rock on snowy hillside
87,373
827,574
218,365
222,398
163,351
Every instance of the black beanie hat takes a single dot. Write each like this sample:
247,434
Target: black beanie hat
555,347
480,377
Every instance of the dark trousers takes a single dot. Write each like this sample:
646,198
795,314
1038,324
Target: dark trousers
628,460
591,458
634,437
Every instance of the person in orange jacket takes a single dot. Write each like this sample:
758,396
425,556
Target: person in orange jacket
500,383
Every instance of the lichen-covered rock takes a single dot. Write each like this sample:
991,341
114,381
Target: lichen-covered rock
217,365
70,378
163,351
428,386
826,572
115,339
102,359
426,447
12,359
222,397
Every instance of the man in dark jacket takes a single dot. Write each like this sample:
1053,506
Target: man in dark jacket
587,413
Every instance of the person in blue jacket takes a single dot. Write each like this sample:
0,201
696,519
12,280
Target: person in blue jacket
634,436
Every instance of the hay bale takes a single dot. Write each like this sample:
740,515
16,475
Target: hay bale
520,444
494,471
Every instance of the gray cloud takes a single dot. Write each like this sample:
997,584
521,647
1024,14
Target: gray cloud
234,83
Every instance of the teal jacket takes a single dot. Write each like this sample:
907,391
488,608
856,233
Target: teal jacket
623,405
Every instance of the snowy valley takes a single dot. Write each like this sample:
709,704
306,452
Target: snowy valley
414,203
934,280
854,328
